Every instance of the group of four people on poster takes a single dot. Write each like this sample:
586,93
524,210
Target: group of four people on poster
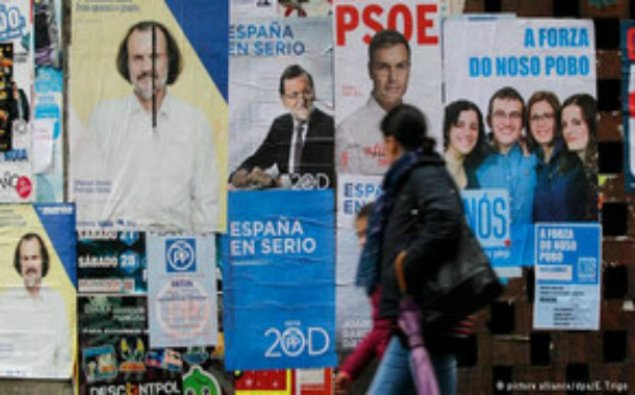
550,172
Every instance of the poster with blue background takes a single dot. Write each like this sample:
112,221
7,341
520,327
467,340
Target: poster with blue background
278,280
487,214
568,276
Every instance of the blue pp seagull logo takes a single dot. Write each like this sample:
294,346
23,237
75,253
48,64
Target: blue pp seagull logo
181,255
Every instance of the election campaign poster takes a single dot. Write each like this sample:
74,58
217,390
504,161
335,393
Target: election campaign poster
353,302
520,119
281,124
628,101
16,84
115,355
37,291
46,124
182,290
111,262
278,280
568,276
367,88
148,114
487,213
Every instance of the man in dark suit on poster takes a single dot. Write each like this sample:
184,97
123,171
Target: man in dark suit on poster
300,143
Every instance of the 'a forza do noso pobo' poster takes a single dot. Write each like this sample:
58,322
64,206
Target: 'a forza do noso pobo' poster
37,291
525,89
148,137
278,280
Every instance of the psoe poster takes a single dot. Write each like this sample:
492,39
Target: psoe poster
37,292
402,67
278,280
568,276
148,114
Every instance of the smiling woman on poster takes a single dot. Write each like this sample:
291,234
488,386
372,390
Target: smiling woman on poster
561,182
463,140
579,128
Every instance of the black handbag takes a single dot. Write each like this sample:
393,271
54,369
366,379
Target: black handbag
462,284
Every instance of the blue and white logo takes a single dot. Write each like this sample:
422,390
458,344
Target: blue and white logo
180,255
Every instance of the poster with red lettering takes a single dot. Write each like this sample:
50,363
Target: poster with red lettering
386,53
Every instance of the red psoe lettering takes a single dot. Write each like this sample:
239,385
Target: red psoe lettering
393,16
374,24
346,19
424,23
397,17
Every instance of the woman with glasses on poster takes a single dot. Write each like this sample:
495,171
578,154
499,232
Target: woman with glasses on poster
561,181
579,129
463,141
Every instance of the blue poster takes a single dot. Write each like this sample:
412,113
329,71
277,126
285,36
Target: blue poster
278,275
508,245
182,291
568,271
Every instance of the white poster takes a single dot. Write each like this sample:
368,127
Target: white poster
182,291
481,55
521,118
568,276
281,83
367,88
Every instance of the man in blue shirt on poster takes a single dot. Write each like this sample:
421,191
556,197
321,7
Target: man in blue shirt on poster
509,166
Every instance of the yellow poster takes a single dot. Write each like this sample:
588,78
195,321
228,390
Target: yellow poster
148,114
37,295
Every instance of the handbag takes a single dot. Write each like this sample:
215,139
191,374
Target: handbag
462,284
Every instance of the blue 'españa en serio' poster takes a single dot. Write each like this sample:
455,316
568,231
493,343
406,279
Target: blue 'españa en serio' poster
278,280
